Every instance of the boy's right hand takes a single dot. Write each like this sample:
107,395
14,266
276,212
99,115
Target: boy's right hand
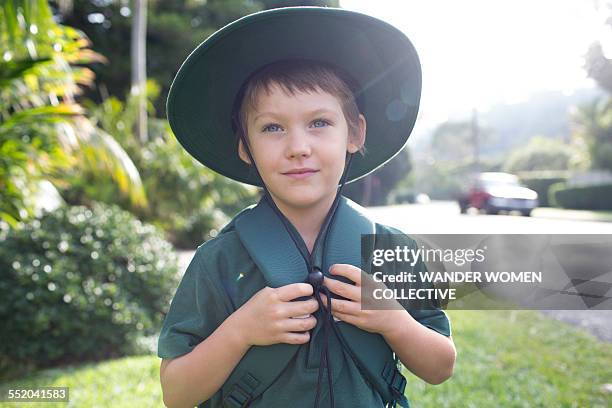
271,317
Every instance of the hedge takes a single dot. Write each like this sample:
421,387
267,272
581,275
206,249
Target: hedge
540,182
82,284
595,197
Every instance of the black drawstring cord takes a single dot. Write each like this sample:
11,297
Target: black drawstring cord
329,320
324,359
315,276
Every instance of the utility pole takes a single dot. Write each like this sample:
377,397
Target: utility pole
475,140
139,65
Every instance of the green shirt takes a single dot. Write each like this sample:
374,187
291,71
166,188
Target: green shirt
222,277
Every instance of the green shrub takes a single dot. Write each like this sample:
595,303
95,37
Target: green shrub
193,228
187,200
82,284
541,153
443,180
541,182
597,197
601,155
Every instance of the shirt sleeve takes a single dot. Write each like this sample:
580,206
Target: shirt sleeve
431,314
433,317
194,313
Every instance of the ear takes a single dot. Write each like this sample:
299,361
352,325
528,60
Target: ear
357,141
242,152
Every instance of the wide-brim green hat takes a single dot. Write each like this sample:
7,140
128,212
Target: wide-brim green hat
379,57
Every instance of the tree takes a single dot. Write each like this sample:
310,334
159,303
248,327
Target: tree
455,140
594,120
374,189
594,130
271,4
542,153
599,67
597,64
43,131
174,28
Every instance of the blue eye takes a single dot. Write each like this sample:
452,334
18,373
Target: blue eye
323,121
267,127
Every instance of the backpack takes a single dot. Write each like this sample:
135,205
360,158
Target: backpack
269,245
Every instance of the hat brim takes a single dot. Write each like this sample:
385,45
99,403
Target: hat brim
377,55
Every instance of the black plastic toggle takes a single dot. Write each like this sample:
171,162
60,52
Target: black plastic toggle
315,278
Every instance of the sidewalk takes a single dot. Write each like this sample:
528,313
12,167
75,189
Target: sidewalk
596,322
578,215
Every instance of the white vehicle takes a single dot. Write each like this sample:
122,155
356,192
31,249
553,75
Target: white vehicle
494,192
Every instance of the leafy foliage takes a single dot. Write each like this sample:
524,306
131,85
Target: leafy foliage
541,182
455,140
541,153
595,197
376,188
43,131
82,284
597,64
187,200
445,180
594,131
174,28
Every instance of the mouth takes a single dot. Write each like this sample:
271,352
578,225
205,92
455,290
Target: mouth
301,173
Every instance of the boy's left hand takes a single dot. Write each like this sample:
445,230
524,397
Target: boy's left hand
374,321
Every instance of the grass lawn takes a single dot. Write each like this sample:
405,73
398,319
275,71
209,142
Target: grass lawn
519,359
505,359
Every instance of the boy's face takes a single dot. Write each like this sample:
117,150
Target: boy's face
288,133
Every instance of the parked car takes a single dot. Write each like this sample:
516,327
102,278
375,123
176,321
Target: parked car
494,192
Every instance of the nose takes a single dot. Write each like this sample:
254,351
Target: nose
298,144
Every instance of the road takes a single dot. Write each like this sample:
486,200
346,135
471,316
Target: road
443,217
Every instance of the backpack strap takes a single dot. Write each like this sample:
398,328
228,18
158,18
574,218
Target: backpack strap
265,239
272,250
257,370
370,352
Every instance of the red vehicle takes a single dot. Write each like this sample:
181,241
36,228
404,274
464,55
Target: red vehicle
494,192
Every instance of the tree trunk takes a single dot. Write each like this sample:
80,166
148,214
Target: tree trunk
139,65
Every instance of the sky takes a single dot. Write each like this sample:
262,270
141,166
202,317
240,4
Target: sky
475,53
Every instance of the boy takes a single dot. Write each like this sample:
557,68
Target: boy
278,99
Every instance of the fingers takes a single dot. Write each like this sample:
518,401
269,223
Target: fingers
296,330
348,318
296,338
343,289
294,290
300,308
348,271
299,324
342,306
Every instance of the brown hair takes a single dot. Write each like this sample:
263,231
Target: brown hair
298,75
